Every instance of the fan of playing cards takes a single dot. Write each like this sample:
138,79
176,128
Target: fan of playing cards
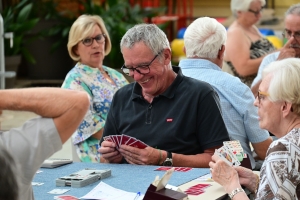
232,152
126,140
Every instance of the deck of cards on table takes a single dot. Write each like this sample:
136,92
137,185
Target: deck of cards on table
125,140
232,152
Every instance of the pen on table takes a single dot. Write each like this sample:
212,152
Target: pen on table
137,196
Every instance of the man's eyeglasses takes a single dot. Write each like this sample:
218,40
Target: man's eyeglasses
256,13
141,69
261,95
89,41
287,34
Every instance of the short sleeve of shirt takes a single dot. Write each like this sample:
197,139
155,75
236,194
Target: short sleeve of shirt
31,144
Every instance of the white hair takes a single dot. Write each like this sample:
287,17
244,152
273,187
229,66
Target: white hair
285,82
204,37
242,5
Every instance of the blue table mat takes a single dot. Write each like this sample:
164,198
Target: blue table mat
131,178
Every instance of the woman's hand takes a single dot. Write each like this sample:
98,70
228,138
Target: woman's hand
247,178
224,174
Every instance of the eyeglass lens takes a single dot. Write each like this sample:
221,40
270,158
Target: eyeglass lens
288,34
99,39
256,12
142,69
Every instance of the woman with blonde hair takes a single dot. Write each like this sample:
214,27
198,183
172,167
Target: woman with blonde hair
88,45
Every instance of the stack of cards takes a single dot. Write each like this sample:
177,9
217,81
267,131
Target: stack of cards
232,152
125,140
197,189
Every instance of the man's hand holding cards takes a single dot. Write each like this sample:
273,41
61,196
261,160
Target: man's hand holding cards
125,140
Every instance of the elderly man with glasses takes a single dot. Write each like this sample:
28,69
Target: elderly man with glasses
292,47
178,117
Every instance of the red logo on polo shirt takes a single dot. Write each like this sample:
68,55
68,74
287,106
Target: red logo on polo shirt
169,120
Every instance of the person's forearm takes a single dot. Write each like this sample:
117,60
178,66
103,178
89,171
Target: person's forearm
46,102
196,161
262,147
249,67
66,107
98,134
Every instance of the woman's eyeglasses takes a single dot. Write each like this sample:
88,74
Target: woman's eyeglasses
261,96
256,13
89,41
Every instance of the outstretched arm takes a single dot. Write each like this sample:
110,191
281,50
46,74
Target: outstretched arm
66,107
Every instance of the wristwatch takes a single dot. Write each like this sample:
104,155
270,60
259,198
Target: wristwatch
168,161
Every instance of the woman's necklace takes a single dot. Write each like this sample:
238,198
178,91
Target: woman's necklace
106,76
102,71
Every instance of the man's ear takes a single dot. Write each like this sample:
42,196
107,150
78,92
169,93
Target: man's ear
286,108
167,56
221,52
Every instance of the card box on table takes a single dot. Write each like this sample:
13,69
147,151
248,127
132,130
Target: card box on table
164,194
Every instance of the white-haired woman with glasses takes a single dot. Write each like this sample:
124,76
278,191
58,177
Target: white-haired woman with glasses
278,103
245,45
88,44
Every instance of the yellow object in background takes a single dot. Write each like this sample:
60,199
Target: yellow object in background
177,47
276,41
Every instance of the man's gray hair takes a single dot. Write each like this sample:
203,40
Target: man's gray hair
293,10
204,37
150,34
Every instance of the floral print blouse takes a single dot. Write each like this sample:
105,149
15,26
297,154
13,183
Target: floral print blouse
101,91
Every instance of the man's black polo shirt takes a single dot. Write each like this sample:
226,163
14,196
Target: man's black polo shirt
185,119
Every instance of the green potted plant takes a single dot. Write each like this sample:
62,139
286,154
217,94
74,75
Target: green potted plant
17,19
118,16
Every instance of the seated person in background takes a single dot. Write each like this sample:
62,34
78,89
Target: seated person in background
278,105
8,179
290,50
178,117
88,44
245,46
41,137
204,41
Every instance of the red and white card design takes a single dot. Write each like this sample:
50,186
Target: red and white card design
227,155
125,140
197,189
178,169
66,197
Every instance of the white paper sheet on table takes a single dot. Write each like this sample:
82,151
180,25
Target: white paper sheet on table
204,178
104,191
